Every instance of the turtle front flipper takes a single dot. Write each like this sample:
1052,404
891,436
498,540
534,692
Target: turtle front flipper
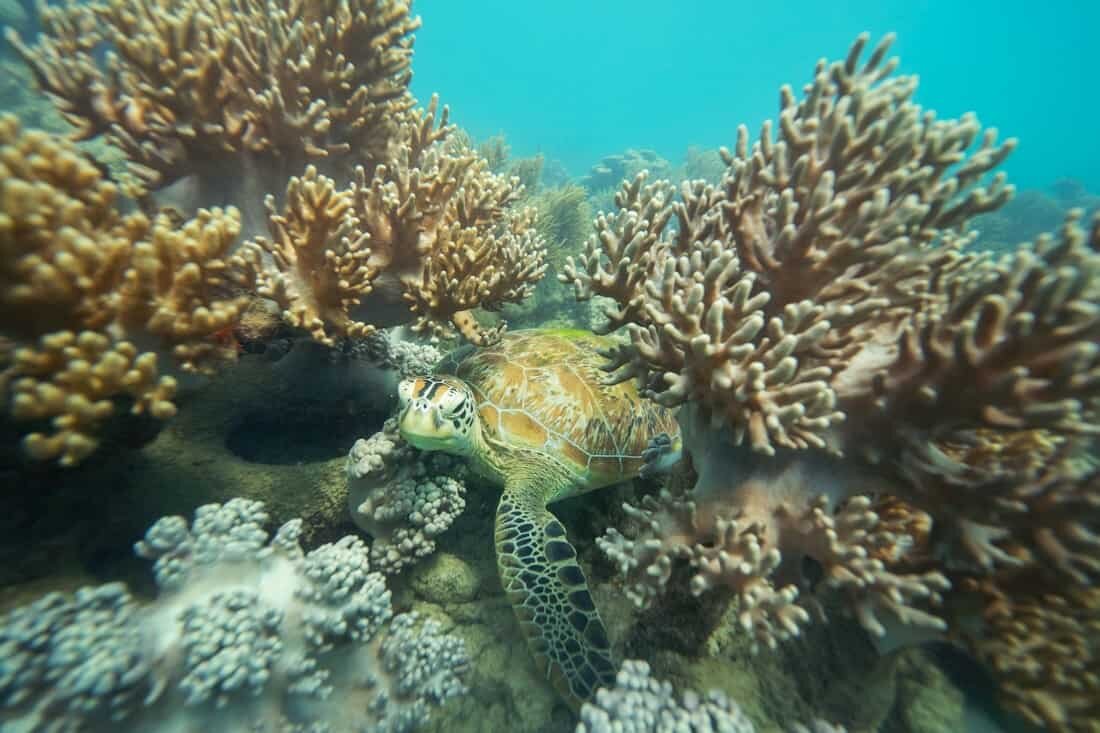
549,593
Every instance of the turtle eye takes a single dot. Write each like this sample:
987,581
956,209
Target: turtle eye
455,403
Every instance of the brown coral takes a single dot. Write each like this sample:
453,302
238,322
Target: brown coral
432,233
814,245
1040,644
188,83
839,357
749,538
74,382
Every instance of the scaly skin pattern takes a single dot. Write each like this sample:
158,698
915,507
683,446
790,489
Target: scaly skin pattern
545,390
549,593
548,427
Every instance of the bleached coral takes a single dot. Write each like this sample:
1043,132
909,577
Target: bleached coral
246,633
402,498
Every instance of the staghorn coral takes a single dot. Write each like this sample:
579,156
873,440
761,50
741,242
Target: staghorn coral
855,388
425,239
245,633
403,499
273,84
89,296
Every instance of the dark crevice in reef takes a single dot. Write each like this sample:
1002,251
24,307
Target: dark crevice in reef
288,437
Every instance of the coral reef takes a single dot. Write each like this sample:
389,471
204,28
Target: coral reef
849,378
701,163
245,632
640,704
563,221
1031,214
613,169
417,232
273,87
395,350
1038,636
90,296
402,498
431,237
498,154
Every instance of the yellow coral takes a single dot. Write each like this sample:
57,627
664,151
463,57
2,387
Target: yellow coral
81,284
73,380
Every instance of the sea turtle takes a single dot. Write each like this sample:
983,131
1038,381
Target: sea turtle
535,414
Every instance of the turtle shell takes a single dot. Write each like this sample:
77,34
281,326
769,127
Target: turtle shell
544,390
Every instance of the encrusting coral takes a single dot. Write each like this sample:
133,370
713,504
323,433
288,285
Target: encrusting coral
90,296
850,378
246,633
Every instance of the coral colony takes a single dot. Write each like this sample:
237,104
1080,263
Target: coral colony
247,633
859,393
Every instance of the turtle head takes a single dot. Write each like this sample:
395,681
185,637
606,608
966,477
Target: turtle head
437,413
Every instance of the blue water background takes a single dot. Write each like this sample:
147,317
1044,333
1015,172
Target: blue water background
579,79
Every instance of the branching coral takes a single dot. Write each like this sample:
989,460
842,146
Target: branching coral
432,233
815,243
850,379
74,382
314,90
1040,644
246,633
402,498
187,83
89,295
750,539
424,234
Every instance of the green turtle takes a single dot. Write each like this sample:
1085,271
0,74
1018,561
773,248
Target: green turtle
535,414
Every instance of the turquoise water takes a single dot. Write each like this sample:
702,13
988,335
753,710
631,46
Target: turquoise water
577,80
338,370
